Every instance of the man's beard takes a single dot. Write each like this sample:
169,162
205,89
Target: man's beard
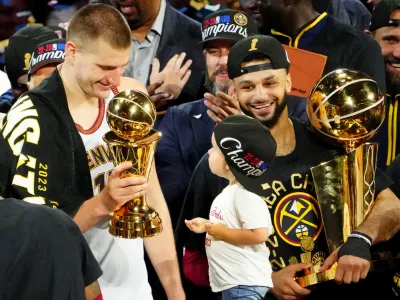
134,21
392,79
211,85
280,107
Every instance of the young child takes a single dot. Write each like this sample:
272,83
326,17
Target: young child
239,222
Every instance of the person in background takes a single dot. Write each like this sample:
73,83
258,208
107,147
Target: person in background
18,58
297,24
161,54
359,15
335,8
47,56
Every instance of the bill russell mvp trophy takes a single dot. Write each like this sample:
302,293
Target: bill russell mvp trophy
131,116
346,107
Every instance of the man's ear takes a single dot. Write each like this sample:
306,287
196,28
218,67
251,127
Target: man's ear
70,51
368,32
288,83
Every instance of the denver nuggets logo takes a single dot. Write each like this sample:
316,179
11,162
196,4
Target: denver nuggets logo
297,216
240,19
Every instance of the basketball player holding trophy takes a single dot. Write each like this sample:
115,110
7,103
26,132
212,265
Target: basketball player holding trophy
260,71
52,153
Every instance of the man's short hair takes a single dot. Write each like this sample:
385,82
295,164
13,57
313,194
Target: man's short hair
99,21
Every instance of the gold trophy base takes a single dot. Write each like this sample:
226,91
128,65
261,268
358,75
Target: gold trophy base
313,277
129,222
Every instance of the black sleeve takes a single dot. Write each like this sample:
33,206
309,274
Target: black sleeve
393,173
91,270
382,182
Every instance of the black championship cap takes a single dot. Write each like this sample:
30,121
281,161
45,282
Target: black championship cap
20,47
248,147
381,14
227,24
50,52
267,45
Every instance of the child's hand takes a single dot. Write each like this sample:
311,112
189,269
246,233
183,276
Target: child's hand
216,230
197,225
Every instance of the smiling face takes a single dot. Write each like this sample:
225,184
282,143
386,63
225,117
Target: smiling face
262,94
389,40
216,56
97,67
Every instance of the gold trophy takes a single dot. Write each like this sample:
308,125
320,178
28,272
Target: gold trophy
346,108
131,116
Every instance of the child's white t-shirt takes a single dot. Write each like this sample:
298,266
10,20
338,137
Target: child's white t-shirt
233,265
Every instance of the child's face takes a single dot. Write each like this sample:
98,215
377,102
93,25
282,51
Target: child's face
217,160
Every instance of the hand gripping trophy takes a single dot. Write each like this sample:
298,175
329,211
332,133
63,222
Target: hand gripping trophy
346,108
131,116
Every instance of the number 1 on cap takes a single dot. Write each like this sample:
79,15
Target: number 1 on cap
253,45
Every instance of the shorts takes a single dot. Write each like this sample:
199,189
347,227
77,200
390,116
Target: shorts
245,292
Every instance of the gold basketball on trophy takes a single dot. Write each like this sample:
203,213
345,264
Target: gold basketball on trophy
347,107
131,114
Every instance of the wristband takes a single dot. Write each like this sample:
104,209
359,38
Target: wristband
355,246
360,235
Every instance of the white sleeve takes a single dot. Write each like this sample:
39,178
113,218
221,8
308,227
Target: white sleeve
252,210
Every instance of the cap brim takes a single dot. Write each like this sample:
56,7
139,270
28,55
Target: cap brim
218,38
43,64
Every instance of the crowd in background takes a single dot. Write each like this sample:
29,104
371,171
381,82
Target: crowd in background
184,69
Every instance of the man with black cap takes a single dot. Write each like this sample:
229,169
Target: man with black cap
187,128
19,54
385,28
258,66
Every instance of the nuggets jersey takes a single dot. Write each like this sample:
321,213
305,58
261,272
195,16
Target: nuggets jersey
122,262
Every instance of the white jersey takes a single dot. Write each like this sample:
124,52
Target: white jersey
124,270
233,265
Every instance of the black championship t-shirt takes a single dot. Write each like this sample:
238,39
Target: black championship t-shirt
289,193
43,254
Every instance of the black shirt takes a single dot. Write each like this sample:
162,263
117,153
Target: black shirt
289,193
43,254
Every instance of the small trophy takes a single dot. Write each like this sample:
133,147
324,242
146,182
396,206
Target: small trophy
131,116
346,108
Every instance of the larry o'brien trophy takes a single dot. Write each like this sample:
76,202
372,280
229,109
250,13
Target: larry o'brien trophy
346,108
131,116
